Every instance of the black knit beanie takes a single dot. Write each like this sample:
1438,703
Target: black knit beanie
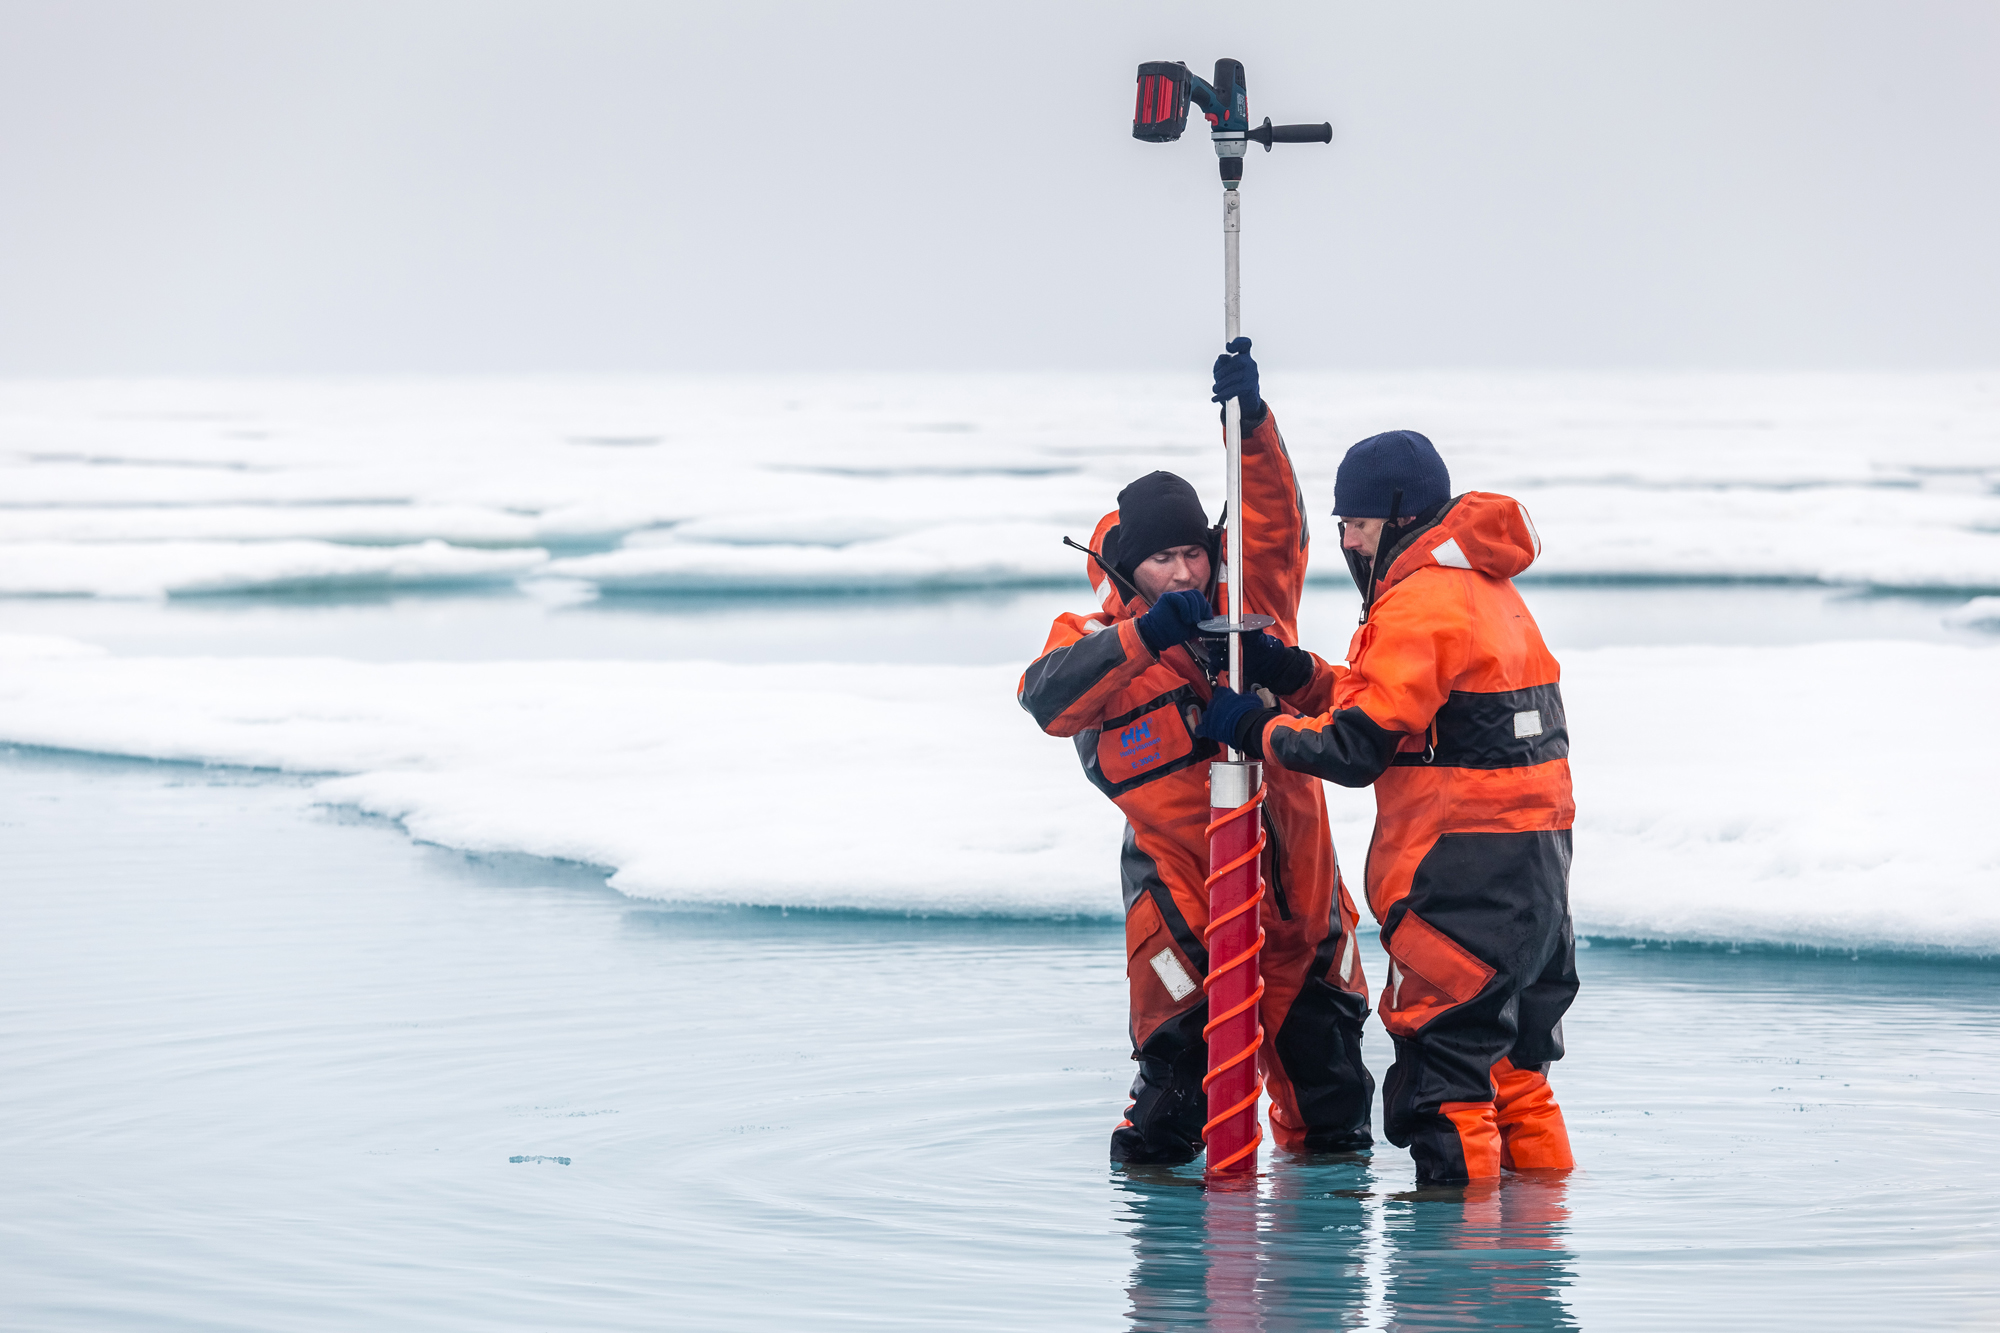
1156,512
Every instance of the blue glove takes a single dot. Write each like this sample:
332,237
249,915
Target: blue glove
1173,619
1236,377
1269,661
1228,714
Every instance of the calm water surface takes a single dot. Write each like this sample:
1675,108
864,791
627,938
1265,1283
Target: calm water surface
266,1067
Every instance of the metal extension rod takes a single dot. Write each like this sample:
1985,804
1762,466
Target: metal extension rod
1167,91
1232,426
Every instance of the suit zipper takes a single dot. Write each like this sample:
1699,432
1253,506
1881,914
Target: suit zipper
1277,876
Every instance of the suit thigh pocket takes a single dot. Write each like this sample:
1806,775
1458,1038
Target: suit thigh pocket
1163,981
1429,972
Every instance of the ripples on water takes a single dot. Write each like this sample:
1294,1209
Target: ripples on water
263,1067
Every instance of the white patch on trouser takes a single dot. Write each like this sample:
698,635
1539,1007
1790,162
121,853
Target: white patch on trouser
1347,960
1172,975
1527,724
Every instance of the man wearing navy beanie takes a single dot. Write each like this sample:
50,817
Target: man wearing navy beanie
1450,706
1389,478
1395,473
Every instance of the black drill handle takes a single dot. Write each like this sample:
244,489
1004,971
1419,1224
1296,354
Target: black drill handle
1320,133
1268,134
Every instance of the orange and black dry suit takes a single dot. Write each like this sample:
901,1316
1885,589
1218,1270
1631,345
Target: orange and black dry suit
1098,682
1450,706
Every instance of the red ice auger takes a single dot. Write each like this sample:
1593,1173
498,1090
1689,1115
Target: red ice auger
1235,935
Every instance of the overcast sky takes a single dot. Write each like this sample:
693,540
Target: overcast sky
494,186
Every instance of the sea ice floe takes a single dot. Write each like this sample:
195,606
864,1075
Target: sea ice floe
1788,794
1979,613
349,524
182,568
976,555
33,647
749,482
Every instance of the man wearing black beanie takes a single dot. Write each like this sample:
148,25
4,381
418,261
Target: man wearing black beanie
1126,682
1159,515
1450,706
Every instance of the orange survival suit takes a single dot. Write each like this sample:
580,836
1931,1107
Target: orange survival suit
1098,682
1450,705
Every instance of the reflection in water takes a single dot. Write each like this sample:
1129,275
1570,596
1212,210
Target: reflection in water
1313,1244
1487,1256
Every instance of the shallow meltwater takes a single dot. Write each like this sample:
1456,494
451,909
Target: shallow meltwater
265,1066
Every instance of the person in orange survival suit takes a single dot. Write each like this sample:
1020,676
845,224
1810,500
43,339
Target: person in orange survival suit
1123,682
1450,705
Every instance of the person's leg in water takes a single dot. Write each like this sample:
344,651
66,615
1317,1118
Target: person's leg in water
1315,1002
1162,1126
1533,1136
1478,983
1164,964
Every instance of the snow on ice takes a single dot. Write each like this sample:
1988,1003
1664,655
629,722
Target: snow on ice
973,555
184,568
1724,793
1979,613
877,482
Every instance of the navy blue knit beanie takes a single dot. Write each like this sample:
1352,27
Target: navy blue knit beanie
1375,469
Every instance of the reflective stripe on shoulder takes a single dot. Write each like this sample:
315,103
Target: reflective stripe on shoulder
1446,553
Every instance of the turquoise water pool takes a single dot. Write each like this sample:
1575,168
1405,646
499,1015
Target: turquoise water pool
265,1066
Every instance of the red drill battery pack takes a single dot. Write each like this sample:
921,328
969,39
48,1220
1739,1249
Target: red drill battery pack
1162,109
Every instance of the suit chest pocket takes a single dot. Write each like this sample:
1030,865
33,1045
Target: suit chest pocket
1147,743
